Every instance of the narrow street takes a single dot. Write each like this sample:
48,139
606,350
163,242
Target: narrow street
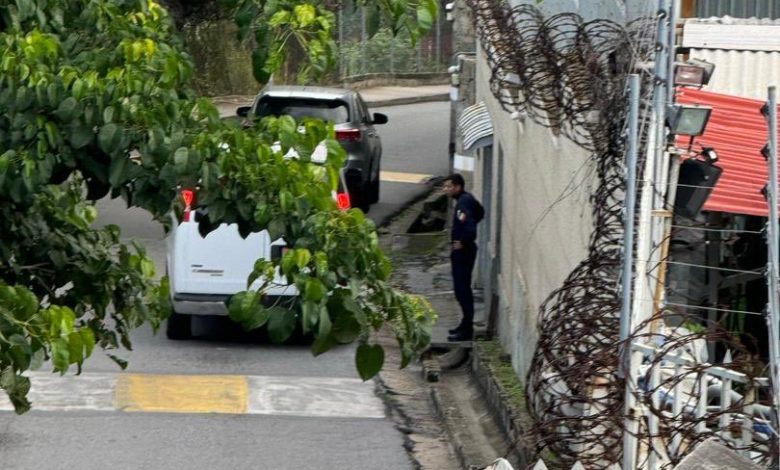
240,401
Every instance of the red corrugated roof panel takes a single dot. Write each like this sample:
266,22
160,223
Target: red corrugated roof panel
737,131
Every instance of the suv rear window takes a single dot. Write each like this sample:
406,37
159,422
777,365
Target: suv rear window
328,110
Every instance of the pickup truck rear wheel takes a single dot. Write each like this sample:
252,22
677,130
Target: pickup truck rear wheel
179,326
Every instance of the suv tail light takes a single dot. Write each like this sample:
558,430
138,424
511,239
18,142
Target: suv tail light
188,196
348,135
342,199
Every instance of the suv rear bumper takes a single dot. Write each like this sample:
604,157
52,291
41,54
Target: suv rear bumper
217,304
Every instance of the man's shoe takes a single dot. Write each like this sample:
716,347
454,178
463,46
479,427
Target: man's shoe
460,336
454,331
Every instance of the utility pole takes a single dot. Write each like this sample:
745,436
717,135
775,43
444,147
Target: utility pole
648,230
649,234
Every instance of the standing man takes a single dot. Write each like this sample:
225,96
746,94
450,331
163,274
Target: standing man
468,213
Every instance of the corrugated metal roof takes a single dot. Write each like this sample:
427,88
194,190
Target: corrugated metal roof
476,126
740,72
737,131
738,8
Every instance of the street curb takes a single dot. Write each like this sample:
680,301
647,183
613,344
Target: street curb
445,418
381,103
388,219
381,390
514,423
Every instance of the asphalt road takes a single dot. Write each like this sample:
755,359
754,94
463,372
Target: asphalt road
226,399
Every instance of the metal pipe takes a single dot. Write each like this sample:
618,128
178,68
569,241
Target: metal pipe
629,439
773,264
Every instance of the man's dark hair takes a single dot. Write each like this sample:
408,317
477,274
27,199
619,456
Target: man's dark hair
456,179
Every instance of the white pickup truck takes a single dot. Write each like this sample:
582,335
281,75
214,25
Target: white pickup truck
205,272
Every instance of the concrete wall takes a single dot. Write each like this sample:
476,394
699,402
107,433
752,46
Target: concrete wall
540,185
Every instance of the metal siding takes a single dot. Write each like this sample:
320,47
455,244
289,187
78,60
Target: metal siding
737,131
738,8
740,72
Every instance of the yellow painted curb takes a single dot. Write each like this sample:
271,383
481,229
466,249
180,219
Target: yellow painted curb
182,393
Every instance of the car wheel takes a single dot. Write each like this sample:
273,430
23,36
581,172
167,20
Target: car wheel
179,326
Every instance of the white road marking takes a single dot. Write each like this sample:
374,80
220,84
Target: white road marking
314,396
318,397
85,392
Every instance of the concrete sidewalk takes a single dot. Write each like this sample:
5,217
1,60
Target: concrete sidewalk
376,97
440,402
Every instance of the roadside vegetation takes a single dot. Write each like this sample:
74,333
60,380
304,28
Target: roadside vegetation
96,101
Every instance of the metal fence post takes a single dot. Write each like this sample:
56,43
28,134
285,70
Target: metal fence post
629,438
773,264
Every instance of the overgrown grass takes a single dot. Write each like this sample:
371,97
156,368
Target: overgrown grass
498,362
500,365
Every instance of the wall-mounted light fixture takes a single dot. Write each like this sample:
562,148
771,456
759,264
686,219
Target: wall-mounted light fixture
688,119
694,72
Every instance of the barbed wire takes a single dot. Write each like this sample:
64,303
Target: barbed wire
570,75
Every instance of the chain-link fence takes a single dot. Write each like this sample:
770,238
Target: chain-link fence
385,53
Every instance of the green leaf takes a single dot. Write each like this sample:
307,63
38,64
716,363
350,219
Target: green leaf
310,312
67,110
240,306
288,131
60,355
81,135
315,290
325,324
426,14
322,344
277,228
305,14
281,324
280,18
88,340
288,262
108,137
302,257
369,360
117,172
259,316
75,348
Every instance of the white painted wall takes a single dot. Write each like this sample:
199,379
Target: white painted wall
546,219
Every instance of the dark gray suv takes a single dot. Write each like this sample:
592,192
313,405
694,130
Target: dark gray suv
353,123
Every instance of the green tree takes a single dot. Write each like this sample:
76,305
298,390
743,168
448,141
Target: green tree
95,100
277,27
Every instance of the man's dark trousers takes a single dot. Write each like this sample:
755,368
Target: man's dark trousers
462,266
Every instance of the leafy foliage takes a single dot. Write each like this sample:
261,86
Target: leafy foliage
95,101
276,26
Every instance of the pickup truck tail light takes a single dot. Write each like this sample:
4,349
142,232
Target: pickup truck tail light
348,135
342,199
188,197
